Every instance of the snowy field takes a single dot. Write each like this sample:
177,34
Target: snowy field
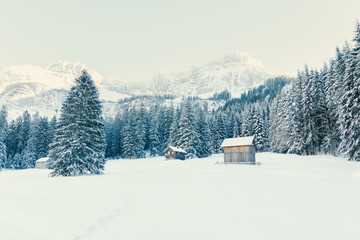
287,197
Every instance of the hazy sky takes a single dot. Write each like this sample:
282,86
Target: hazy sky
135,39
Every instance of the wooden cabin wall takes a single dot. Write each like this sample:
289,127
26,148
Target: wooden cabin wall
239,154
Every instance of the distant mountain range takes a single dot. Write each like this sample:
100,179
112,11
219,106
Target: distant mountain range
236,73
43,88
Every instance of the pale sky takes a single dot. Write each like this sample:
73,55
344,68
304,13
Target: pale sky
135,39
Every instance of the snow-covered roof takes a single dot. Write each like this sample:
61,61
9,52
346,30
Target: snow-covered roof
175,149
241,141
42,159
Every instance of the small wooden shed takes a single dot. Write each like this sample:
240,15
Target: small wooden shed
41,163
239,150
174,153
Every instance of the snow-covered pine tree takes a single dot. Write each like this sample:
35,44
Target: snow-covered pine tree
174,129
237,125
331,105
350,103
79,143
189,138
339,71
45,137
117,136
168,119
24,133
154,142
133,135
293,117
260,134
246,124
163,142
13,143
309,126
108,124
140,134
3,133
52,128
213,133
220,132
204,135
31,152
144,121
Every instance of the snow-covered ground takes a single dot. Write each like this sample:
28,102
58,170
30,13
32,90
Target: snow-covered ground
287,197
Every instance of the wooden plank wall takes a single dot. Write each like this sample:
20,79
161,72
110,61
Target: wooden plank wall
239,154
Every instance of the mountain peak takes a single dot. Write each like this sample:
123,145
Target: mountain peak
238,58
237,72
66,67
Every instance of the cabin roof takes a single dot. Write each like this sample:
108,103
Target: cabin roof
175,149
42,159
241,141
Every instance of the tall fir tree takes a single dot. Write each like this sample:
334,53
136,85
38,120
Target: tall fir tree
350,103
220,132
261,140
3,133
79,142
174,129
154,134
31,152
204,135
189,138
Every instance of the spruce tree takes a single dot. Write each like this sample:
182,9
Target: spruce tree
154,135
204,135
350,105
220,132
237,125
3,133
79,142
174,129
31,151
189,138
260,134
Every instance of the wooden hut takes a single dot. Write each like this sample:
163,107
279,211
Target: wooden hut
41,163
239,150
174,153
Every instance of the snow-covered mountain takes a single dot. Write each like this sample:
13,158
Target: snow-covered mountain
236,73
44,88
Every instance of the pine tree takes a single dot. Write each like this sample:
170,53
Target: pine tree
204,135
3,133
144,121
130,137
154,135
31,152
350,105
259,133
45,137
220,132
116,135
189,138
331,105
246,124
174,129
24,133
237,125
79,143
13,142
168,120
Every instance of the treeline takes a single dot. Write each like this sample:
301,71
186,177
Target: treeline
320,111
24,140
138,132
268,90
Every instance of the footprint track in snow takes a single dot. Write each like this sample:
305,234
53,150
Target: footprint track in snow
102,222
